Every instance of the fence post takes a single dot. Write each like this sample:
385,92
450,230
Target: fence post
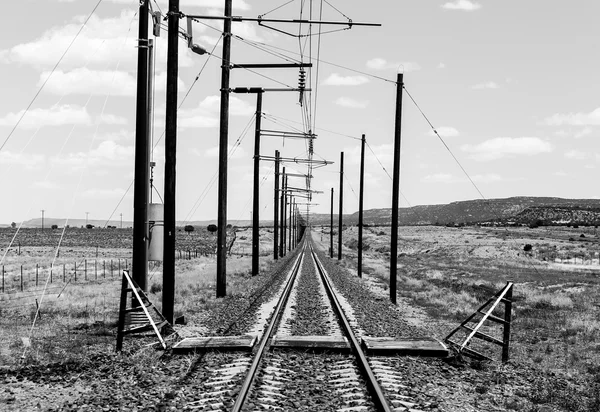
119,266
75,268
507,320
64,272
85,269
2,278
104,268
51,272
21,278
111,269
96,268
36,275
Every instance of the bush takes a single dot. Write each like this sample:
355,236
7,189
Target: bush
527,247
155,288
188,228
211,228
54,226
89,226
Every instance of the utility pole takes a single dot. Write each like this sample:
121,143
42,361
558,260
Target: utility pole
331,228
121,214
168,293
290,224
276,208
285,208
341,207
223,149
139,261
396,189
282,217
361,196
255,199
42,218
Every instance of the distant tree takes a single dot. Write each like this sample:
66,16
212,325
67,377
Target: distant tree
13,225
188,228
211,228
89,226
54,226
228,226
527,247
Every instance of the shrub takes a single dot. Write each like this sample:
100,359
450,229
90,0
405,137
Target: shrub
54,226
527,247
188,228
89,226
155,288
211,228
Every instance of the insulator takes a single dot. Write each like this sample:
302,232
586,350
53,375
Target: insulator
302,79
310,146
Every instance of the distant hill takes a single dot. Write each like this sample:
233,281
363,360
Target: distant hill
518,210
523,210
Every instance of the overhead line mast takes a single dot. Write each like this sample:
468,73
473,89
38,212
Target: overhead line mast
224,122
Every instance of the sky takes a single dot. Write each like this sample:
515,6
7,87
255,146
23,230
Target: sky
511,87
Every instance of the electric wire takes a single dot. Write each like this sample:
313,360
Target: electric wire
444,143
163,133
49,76
77,189
213,180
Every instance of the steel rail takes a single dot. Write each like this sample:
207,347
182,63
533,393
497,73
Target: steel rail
263,346
375,390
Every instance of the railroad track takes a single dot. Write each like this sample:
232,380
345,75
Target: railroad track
276,378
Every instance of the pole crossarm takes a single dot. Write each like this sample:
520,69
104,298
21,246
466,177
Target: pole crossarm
270,65
299,175
297,135
266,89
298,189
299,161
260,19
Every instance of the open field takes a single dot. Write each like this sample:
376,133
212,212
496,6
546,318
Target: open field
444,274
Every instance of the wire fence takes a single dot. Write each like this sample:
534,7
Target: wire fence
20,278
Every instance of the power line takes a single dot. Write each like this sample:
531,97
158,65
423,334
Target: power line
49,76
444,143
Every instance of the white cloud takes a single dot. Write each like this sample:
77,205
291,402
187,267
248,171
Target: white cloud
577,155
486,85
206,114
105,43
351,103
336,80
507,146
448,178
560,173
574,119
237,154
112,119
106,153
29,160
465,5
445,131
584,132
382,64
440,178
55,116
487,178
213,4
441,66
85,81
